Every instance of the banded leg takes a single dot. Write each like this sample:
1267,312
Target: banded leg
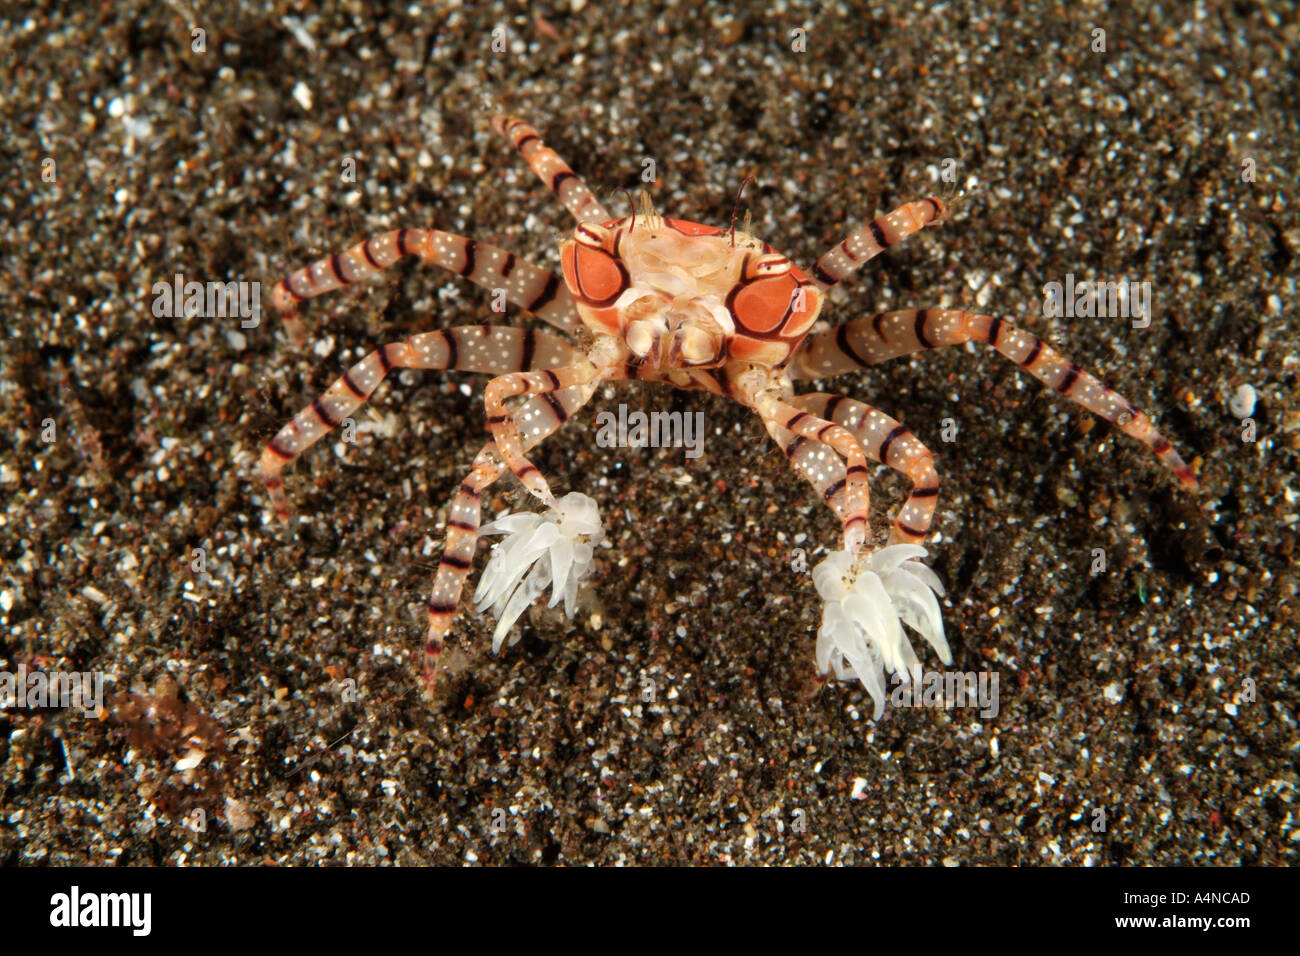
890,443
541,415
505,430
532,287
781,418
490,349
816,462
550,169
859,248
605,361
873,339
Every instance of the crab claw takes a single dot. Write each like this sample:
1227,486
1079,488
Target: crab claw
861,634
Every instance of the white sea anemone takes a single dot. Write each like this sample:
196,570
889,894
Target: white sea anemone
539,551
861,633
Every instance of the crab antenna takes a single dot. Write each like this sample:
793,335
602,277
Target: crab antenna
736,208
631,203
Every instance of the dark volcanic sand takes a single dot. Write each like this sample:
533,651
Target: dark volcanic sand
1121,691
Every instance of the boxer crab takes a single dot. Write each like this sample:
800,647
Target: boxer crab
697,307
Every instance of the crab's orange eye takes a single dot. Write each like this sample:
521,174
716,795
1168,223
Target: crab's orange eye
597,278
591,235
763,305
769,265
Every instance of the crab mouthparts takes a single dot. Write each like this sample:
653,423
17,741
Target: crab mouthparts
669,332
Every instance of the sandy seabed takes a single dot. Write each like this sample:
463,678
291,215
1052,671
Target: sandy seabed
674,721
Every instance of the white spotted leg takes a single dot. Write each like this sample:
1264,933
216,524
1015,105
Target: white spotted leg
487,349
541,416
807,429
524,284
858,248
866,341
888,442
604,362
558,176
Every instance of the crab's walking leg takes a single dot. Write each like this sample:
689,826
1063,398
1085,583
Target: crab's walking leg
524,284
890,443
543,415
553,171
817,462
781,418
858,248
489,349
876,338
605,361
505,431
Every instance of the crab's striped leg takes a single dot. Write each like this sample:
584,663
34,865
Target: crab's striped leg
543,415
876,338
505,429
489,349
890,443
553,171
817,462
858,248
532,287
782,418
605,361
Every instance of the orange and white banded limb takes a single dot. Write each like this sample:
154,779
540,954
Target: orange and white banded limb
700,307
887,442
858,248
541,416
877,338
524,284
558,175
494,350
